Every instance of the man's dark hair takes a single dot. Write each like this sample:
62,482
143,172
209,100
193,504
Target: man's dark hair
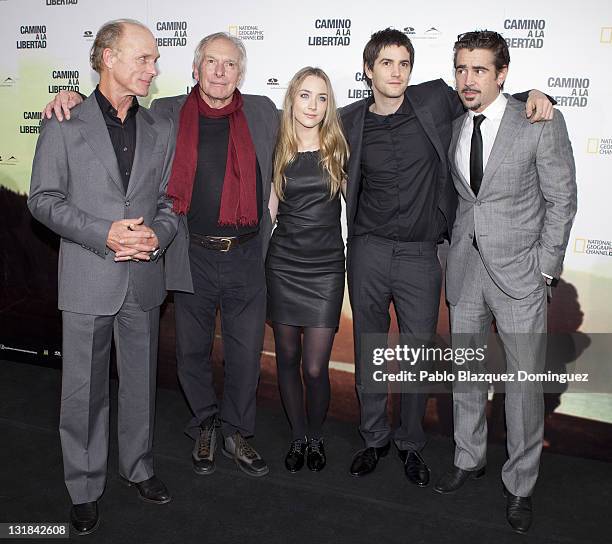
484,39
381,39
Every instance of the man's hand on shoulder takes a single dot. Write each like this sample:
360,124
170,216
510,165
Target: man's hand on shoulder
538,107
61,105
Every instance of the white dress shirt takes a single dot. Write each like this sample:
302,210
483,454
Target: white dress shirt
493,115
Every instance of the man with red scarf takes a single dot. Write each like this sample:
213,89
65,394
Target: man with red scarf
223,156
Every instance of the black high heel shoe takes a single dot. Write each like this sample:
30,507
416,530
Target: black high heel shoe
294,460
315,455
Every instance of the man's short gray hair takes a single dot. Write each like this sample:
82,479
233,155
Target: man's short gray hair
199,50
107,38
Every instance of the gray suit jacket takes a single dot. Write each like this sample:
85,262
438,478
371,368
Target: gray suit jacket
525,207
76,191
262,118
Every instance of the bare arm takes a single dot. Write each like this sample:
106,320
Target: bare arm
273,204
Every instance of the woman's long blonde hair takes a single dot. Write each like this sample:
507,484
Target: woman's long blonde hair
334,150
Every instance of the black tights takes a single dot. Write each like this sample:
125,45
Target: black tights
314,353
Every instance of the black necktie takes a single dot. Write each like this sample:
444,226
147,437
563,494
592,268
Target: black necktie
476,155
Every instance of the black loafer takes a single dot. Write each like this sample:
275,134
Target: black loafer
84,517
365,461
519,512
415,468
294,460
454,478
315,456
152,490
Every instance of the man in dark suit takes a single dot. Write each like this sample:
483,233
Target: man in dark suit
99,181
400,204
220,185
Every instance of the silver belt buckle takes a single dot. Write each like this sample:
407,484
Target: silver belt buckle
229,244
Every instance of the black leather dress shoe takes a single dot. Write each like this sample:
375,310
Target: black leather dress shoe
294,460
519,512
315,455
365,461
454,478
415,468
84,517
152,490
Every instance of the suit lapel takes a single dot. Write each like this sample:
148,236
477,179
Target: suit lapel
93,128
463,185
424,116
145,143
508,129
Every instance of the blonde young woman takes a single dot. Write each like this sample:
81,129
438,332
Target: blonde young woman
305,264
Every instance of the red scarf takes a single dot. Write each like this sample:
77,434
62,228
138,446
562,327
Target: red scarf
239,197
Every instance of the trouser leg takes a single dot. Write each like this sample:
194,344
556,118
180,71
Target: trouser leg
136,339
84,405
195,328
368,268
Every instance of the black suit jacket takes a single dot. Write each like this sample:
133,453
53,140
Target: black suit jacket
436,105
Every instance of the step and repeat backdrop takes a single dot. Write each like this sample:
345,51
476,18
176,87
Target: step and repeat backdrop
564,50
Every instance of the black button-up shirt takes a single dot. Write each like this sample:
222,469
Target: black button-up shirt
400,172
122,134
203,215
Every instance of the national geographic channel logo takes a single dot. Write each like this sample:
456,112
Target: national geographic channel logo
37,35
62,2
589,246
32,121
247,32
431,33
333,32
605,35
173,33
575,91
526,33
599,146
360,92
64,80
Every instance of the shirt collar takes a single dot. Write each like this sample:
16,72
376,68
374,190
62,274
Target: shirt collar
108,109
494,111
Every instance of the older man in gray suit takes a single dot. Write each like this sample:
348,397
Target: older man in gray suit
517,200
99,181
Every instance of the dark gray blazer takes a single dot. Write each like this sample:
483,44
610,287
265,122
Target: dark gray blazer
262,118
525,206
76,191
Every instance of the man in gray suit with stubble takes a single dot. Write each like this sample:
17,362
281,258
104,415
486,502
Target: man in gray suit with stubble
517,200
99,181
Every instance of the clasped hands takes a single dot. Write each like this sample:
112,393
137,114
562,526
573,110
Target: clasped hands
132,240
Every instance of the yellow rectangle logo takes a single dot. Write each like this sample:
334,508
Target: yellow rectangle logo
593,145
579,245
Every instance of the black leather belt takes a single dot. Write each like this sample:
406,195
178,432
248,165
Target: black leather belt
221,243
